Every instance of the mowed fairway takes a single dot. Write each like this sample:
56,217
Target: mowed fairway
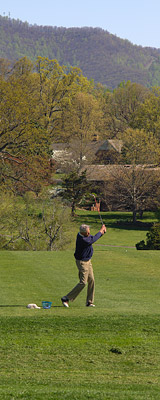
109,352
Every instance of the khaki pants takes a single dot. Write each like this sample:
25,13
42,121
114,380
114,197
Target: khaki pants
85,276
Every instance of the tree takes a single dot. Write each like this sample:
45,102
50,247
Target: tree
75,188
30,113
32,224
148,116
140,147
28,173
82,124
18,229
121,108
55,216
132,188
21,138
18,114
134,185
56,86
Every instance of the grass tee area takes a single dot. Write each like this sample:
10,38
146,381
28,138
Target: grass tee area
109,352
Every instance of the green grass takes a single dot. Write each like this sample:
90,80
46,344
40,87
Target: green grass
120,230
110,352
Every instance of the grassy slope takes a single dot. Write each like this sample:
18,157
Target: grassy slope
110,352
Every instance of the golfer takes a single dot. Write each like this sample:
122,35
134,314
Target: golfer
83,254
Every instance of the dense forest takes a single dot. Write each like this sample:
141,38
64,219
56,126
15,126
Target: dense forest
100,55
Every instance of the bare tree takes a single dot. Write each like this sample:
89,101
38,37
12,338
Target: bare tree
132,187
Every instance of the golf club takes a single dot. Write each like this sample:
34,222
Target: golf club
98,209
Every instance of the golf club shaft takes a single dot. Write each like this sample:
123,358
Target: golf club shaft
101,218
98,210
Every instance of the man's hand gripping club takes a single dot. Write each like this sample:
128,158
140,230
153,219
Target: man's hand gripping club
103,229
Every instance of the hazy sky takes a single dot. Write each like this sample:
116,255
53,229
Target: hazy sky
135,20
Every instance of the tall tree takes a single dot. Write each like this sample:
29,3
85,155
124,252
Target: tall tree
148,115
133,188
17,112
140,147
32,100
134,185
82,124
56,85
75,188
121,107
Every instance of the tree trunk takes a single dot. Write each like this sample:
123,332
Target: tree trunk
134,216
141,214
73,209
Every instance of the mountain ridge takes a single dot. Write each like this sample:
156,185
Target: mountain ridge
100,55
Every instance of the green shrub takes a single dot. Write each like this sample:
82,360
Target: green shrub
141,245
152,240
153,237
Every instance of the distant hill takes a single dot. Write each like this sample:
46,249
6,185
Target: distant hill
100,55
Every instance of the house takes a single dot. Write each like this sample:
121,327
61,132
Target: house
116,184
97,152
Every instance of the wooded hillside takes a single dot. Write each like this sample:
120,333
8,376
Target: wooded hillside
100,55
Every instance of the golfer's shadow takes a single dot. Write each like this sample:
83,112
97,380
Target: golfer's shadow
20,305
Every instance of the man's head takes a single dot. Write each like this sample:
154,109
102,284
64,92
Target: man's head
85,230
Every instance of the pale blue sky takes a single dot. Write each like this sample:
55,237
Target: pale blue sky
135,20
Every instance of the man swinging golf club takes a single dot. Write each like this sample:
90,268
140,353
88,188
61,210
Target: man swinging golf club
83,254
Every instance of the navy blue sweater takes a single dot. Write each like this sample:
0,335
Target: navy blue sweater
84,248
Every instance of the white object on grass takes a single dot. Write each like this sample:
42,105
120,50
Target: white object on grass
32,305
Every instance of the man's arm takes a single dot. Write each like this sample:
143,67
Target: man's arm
92,239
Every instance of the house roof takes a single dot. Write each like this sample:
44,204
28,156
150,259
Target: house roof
105,172
59,146
70,149
91,148
100,172
111,144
